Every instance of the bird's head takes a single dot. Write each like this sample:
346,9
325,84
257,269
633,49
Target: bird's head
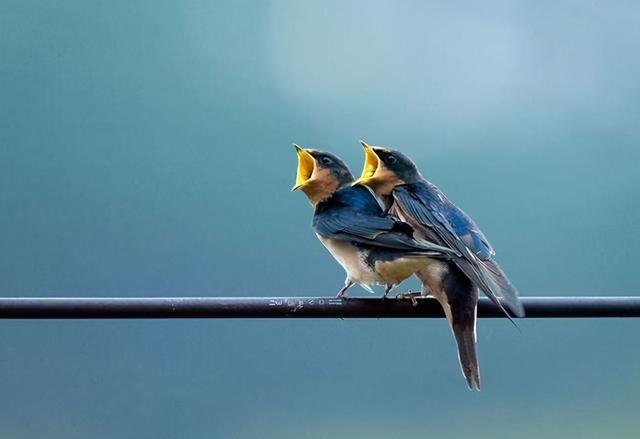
320,174
385,169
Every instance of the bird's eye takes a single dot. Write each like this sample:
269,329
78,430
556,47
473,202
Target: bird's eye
391,159
326,160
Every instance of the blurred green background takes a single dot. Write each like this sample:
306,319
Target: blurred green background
145,149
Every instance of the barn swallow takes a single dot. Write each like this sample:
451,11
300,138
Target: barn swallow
396,181
373,248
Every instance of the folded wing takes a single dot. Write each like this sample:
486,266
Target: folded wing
427,209
385,232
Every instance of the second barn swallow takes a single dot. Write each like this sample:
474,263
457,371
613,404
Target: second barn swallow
397,182
373,248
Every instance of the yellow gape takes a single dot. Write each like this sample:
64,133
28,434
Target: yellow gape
371,163
306,165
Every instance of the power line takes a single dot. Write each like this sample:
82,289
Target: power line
293,307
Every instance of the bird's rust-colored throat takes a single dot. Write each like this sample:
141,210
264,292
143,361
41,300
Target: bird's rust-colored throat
317,182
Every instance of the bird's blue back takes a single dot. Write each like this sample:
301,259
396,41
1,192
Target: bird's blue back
355,197
353,214
450,216
352,208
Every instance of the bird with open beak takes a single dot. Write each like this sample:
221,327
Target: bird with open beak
396,181
373,248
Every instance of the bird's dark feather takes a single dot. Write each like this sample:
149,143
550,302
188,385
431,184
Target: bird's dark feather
353,214
443,223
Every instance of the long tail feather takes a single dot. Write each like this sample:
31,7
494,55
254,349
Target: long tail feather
465,335
459,299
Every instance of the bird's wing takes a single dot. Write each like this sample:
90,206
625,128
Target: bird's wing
444,223
432,209
353,225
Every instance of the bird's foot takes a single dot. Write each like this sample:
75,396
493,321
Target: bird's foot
342,294
387,289
409,296
404,296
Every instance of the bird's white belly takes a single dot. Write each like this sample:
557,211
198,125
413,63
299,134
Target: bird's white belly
351,260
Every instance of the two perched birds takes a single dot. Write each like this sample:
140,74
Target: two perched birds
390,224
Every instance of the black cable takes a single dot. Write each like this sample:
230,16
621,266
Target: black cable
294,307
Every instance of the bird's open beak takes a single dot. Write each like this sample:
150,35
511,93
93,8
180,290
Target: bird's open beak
371,164
306,166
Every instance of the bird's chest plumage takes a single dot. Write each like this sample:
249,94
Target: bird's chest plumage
353,259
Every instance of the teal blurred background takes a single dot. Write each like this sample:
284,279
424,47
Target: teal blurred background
145,149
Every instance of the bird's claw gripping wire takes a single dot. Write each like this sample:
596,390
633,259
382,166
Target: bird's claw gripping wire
409,296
